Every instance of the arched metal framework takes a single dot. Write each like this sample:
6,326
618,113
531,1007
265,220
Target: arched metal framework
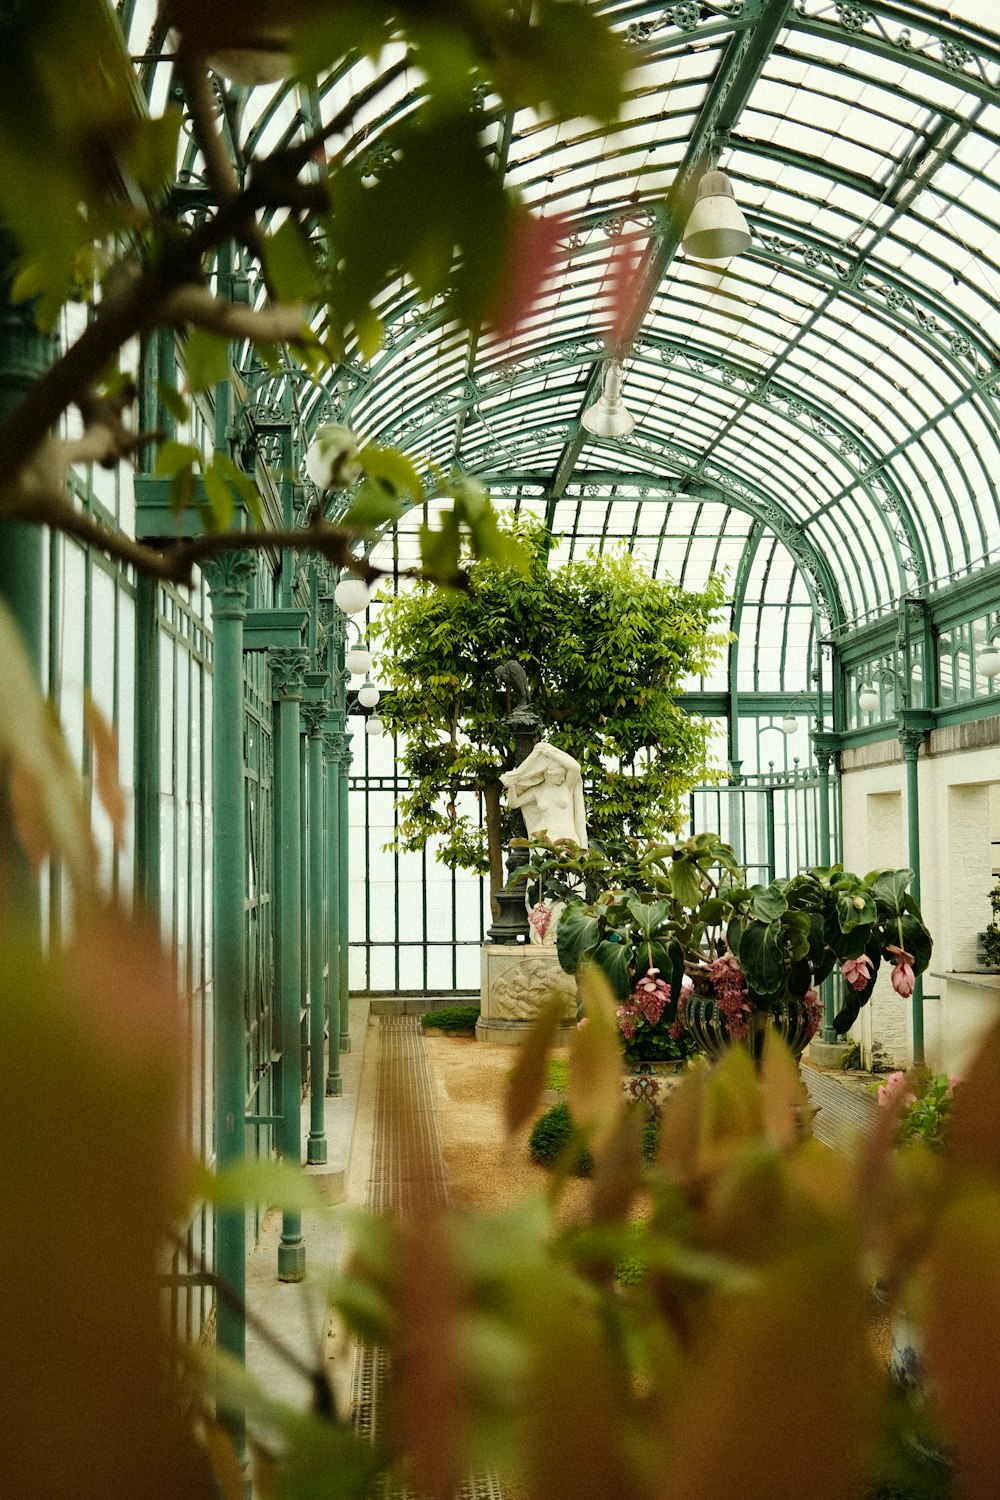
832,393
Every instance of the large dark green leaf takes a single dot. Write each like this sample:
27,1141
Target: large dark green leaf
889,886
649,917
797,929
762,957
577,934
613,959
916,940
768,902
685,882
855,909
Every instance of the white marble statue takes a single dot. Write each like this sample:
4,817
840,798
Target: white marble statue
548,789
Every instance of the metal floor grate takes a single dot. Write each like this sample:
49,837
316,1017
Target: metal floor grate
845,1112
407,1174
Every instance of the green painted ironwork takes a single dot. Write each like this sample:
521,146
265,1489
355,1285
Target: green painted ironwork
288,668
228,580
314,712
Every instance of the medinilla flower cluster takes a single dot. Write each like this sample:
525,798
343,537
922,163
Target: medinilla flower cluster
647,1000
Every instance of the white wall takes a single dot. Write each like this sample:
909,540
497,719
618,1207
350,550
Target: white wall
959,797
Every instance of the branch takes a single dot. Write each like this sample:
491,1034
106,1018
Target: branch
296,156
175,562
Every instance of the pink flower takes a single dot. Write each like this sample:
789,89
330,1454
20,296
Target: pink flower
903,977
903,980
895,1086
814,1012
651,995
857,971
628,1018
539,918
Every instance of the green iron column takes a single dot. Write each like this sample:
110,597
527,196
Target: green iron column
288,669
911,737
345,895
314,713
335,742
24,354
228,580
825,753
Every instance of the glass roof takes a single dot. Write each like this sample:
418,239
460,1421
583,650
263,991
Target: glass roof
833,390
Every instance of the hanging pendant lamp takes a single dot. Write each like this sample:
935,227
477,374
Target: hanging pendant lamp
716,228
608,417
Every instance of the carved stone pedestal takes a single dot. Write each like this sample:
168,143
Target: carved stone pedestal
517,979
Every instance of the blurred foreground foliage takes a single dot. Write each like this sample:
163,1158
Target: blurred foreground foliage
740,1337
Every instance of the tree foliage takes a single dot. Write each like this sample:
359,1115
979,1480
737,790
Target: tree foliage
606,648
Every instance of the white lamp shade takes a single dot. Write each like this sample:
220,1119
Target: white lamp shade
352,595
373,725
716,229
789,724
868,700
266,62
332,457
358,661
368,695
988,662
608,417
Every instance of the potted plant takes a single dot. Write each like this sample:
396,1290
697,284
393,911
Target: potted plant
675,930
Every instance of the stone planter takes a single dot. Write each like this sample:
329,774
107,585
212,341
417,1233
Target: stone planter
710,1028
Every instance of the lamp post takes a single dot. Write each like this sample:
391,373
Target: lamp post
912,727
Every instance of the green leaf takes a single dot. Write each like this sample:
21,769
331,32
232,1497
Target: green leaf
855,910
291,264
278,1184
173,401
206,359
152,151
220,499
440,550
916,940
768,902
762,957
173,457
393,469
577,934
889,887
613,959
244,486
373,506
649,918
685,881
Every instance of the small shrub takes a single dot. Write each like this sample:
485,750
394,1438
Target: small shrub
456,1019
630,1270
851,1060
553,1131
929,1100
557,1075
551,1135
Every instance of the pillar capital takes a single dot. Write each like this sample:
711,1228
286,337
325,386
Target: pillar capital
314,717
228,577
288,671
337,743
